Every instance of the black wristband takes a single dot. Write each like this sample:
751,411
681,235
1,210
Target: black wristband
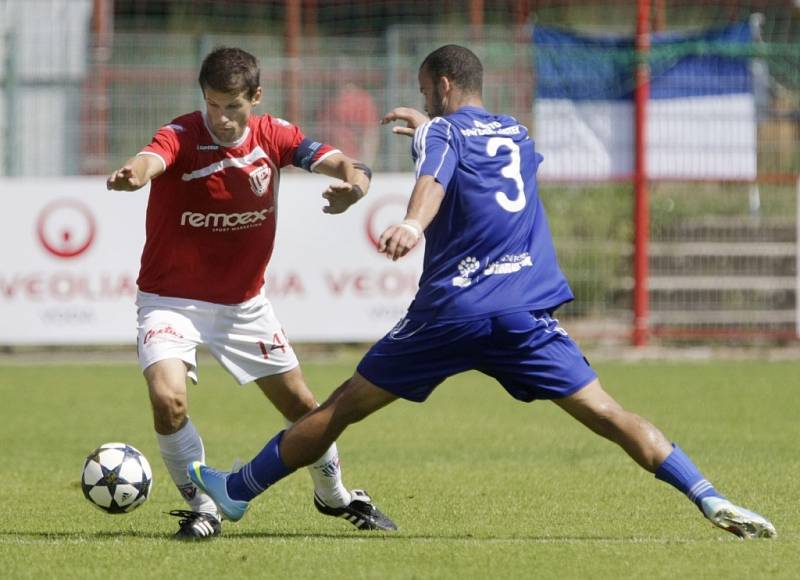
364,169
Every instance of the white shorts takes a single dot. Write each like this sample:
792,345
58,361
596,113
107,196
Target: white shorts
245,338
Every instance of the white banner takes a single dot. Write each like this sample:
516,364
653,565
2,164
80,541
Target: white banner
70,256
326,278
689,138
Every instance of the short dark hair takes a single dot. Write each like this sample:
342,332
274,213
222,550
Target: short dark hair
230,70
458,64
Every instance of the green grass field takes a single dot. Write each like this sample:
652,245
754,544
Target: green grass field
481,485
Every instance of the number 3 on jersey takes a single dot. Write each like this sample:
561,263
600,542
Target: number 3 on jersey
510,171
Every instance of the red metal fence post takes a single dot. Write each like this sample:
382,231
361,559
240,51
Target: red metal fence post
641,198
292,53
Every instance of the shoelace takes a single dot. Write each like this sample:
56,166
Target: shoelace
368,507
187,517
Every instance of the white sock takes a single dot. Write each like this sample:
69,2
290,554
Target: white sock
179,450
327,477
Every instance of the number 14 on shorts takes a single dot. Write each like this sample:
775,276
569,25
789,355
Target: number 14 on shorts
279,342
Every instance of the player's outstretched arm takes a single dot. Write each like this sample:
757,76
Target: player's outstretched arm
355,178
426,198
135,173
412,118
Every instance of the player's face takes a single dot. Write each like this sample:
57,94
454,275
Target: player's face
434,100
228,113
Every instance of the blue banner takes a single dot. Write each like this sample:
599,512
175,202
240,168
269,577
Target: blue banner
581,67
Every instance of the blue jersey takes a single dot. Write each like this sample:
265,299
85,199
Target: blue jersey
489,250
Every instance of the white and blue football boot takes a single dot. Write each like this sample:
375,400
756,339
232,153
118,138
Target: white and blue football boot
214,483
737,520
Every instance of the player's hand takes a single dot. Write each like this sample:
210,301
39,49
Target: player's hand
398,240
412,118
340,196
124,179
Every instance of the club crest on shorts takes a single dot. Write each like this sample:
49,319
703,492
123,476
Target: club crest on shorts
259,179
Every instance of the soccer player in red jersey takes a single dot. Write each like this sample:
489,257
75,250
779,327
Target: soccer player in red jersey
210,227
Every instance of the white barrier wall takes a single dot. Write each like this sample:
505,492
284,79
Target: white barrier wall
70,251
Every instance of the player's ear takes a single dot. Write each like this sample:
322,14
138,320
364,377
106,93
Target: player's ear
445,86
256,97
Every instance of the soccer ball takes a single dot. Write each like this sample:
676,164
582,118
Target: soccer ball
116,478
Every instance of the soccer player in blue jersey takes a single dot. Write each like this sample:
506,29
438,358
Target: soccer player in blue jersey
489,287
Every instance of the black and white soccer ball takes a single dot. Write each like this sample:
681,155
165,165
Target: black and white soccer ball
116,478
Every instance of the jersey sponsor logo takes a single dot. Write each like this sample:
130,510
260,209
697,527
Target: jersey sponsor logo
509,264
211,147
259,180
493,128
225,221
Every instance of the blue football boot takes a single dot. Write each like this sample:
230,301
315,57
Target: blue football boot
214,483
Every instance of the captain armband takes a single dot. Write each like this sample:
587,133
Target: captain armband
306,153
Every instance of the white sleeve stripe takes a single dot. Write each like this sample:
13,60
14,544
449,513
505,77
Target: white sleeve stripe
444,153
323,158
419,138
163,162
417,133
423,136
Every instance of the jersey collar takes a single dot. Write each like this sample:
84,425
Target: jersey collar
468,108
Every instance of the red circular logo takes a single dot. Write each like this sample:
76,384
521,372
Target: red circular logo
66,228
384,212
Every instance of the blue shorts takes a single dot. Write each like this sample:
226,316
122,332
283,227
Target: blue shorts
528,353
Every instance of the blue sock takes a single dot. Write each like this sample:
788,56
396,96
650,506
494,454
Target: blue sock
679,471
265,469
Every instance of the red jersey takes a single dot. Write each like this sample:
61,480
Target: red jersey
211,215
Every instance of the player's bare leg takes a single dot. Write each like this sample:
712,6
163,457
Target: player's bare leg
289,393
646,445
356,399
179,442
166,381
640,439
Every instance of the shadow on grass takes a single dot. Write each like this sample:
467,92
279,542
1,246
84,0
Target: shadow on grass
343,536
